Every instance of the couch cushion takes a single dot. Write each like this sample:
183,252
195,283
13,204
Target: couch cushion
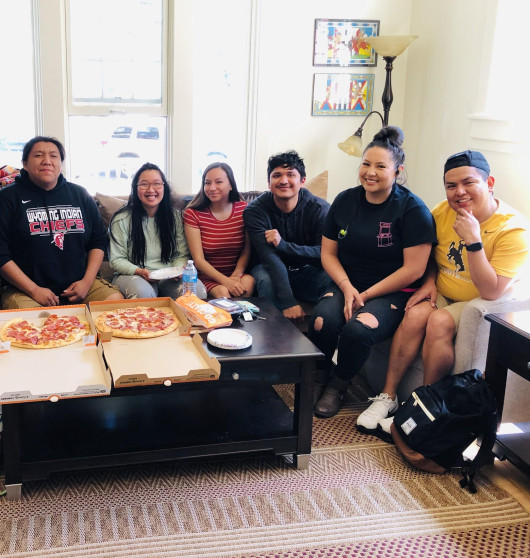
108,205
319,185
8,175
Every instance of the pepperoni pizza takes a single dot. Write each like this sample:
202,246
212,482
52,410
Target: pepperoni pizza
138,322
56,331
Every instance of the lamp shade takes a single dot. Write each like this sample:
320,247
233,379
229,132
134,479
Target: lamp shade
391,45
352,146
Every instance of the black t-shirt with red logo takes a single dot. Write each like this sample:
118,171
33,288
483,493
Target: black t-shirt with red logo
48,233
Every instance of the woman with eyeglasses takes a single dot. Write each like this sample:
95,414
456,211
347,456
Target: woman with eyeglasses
213,223
146,236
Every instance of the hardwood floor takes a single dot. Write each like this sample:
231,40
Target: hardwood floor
511,479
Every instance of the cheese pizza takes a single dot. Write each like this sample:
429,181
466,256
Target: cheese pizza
56,331
138,322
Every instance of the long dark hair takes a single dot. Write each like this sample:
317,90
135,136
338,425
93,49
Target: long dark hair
164,220
200,201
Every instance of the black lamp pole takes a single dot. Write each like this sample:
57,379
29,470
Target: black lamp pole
359,131
387,92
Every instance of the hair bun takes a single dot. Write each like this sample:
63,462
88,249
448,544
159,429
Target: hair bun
392,134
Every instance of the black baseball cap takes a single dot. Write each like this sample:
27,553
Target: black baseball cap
467,159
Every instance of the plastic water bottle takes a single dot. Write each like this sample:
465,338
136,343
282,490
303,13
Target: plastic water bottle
189,278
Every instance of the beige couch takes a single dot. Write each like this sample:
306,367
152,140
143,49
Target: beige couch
108,205
471,341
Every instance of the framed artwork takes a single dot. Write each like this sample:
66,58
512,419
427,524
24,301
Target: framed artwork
345,42
342,94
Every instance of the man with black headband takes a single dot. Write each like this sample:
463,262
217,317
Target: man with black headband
285,229
482,247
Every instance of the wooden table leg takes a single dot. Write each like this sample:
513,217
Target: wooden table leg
495,372
11,446
303,414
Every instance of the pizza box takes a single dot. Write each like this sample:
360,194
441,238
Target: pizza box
76,370
175,357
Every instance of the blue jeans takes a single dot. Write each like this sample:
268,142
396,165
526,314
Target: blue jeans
308,283
134,286
353,339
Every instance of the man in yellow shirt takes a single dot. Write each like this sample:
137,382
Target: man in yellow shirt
483,245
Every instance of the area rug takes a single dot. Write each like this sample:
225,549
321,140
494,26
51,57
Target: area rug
357,499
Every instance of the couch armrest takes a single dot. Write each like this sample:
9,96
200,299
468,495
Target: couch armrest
471,343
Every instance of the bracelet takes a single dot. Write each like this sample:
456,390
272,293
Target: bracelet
345,279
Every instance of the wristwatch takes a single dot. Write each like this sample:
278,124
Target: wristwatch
474,247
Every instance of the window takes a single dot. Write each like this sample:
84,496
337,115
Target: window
117,100
505,89
497,124
222,52
18,84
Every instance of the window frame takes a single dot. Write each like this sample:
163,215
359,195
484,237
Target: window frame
104,109
490,128
28,66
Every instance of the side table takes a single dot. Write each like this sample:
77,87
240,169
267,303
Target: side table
509,349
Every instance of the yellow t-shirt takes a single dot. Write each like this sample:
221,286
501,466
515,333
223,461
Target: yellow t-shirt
506,239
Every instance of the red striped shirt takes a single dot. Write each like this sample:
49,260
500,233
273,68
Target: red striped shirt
222,241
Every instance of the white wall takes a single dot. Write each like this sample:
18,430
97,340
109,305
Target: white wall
446,85
284,87
438,84
286,80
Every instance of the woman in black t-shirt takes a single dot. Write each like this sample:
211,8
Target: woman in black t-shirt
375,246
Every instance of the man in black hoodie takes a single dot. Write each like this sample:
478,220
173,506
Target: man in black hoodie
52,240
285,228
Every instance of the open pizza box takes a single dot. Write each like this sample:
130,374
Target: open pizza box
175,357
76,370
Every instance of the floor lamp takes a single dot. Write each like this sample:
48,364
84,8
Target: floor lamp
389,47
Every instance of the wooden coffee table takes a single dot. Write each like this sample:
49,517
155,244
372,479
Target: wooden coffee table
240,412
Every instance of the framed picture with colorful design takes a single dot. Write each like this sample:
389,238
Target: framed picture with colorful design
342,94
345,42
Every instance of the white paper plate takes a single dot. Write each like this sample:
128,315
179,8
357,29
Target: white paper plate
232,339
166,273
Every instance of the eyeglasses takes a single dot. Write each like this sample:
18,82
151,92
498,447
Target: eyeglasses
155,185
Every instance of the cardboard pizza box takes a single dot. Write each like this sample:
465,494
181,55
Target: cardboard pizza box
175,357
76,370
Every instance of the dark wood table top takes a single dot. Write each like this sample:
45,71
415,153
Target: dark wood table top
272,338
519,322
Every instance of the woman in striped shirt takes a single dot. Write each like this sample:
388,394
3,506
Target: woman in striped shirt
214,228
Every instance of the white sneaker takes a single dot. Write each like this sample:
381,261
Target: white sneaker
385,424
380,409
383,430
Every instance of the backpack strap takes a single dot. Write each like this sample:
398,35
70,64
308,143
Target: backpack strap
483,455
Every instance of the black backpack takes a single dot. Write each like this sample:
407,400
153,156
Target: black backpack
436,424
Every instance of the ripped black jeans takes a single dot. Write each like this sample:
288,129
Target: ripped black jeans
353,339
